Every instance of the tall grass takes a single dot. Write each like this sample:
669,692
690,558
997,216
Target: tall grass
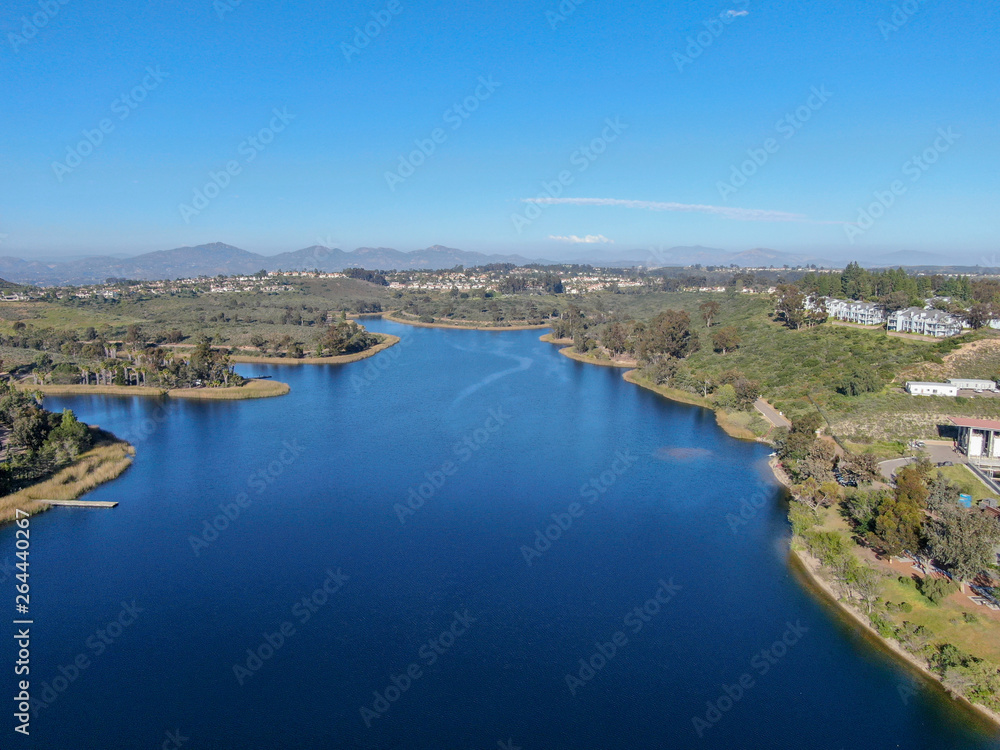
102,463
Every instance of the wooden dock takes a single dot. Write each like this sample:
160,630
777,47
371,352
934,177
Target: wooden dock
81,503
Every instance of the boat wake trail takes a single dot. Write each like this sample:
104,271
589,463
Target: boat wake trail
523,364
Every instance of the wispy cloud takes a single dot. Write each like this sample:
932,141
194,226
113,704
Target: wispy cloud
590,239
737,13
728,212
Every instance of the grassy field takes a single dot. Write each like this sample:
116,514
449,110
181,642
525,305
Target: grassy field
102,463
967,481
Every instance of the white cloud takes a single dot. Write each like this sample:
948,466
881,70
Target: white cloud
590,239
739,214
737,13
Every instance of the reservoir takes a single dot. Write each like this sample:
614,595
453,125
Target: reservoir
468,541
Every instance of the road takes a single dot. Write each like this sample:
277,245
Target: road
772,415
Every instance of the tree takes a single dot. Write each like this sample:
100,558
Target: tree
963,541
942,493
859,382
133,334
980,314
614,338
807,423
859,468
936,589
69,439
725,339
791,305
668,334
896,301
709,311
726,396
747,392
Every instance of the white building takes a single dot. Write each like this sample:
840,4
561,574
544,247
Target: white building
917,388
851,311
925,322
972,384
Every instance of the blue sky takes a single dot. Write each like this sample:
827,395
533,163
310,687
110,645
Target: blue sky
865,98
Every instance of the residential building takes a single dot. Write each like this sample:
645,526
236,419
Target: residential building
851,311
918,388
925,322
973,384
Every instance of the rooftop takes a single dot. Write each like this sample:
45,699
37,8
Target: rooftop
979,424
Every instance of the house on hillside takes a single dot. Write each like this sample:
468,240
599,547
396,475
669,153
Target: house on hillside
973,384
922,322
918,388
850,311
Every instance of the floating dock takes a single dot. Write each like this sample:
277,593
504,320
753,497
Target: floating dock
81,503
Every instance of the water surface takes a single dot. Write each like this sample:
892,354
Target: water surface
503,432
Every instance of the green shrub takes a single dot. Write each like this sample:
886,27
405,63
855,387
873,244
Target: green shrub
936,589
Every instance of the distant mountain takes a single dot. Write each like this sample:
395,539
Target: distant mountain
218,258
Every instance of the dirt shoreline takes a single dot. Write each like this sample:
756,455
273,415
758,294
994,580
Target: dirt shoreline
681,397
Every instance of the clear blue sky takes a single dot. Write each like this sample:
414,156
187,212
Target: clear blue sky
886,95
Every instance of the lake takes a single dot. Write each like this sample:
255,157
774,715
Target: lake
469,542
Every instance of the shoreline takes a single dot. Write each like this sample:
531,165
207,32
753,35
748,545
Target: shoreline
473,326
338,359
671,394
104,462
808,569
799,561
253,389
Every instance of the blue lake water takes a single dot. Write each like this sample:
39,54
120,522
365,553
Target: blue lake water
433,621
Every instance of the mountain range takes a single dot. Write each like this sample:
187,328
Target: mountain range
219,258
